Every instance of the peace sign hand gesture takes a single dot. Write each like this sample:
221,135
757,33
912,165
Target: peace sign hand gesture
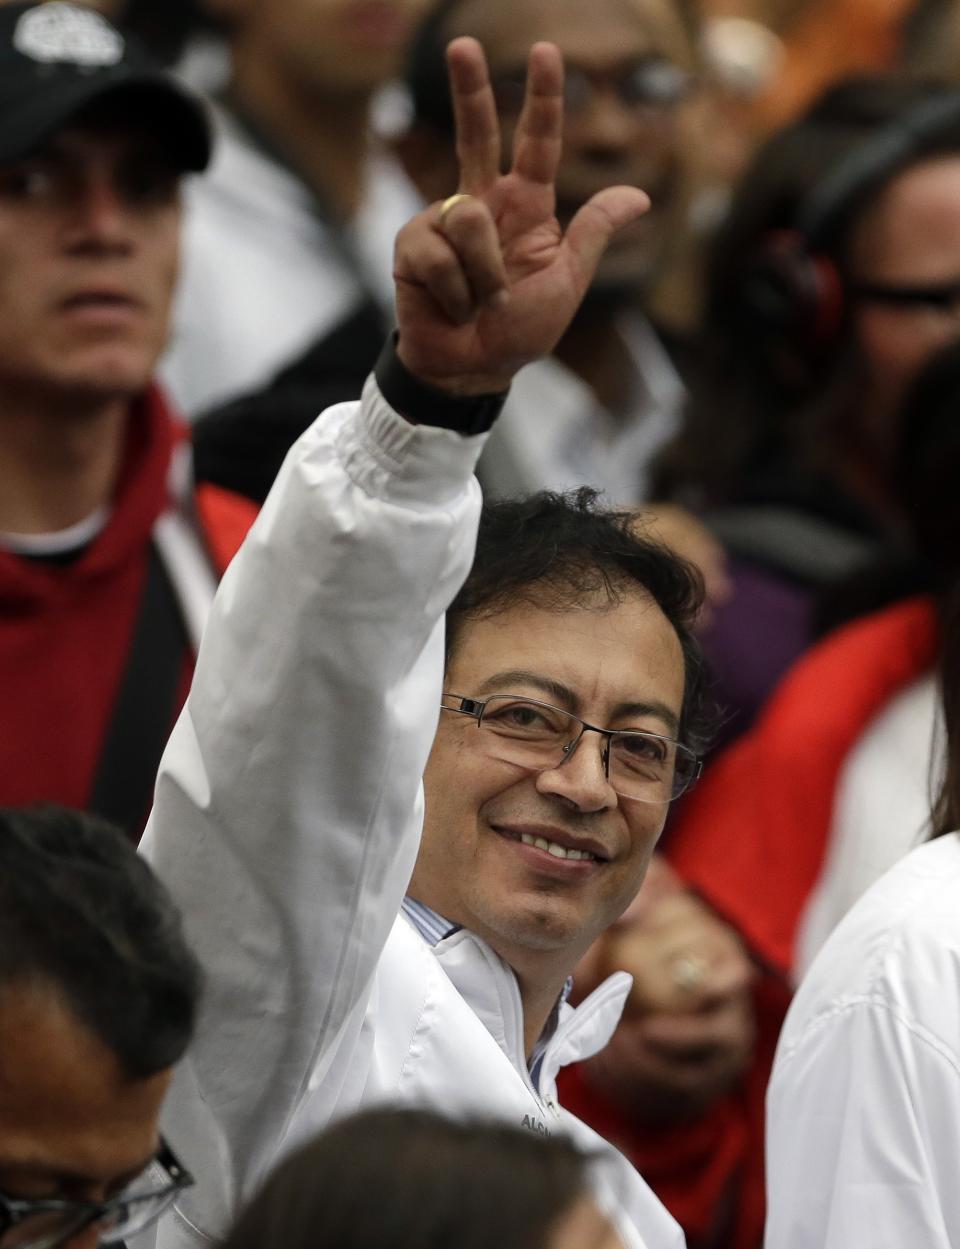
489,282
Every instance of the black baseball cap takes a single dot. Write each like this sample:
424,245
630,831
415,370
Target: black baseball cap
57,59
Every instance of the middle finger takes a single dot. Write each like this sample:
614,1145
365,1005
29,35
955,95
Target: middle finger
539,136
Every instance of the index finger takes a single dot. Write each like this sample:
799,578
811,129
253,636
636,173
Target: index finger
475,116
538,141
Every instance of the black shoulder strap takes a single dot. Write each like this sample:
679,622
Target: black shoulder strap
145,705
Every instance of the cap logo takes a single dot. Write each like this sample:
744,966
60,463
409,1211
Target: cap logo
63,32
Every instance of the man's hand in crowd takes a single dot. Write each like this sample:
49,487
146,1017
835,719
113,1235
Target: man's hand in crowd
688,1030
489,282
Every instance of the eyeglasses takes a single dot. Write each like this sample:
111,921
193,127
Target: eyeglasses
44,1224
640,765
943,297
650,84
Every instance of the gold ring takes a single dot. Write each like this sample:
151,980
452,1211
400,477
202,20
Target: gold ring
688,972
460,198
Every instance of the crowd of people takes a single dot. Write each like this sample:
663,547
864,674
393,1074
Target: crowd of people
432,434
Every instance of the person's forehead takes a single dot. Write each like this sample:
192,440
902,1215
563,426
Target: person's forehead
605,655
598,30
914,218
65,1105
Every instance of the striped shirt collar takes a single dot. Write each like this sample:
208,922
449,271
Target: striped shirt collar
432,926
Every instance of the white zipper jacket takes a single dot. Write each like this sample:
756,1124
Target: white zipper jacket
287,821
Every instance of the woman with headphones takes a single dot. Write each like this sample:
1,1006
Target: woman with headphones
835,277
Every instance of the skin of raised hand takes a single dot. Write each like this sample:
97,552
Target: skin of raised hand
495,283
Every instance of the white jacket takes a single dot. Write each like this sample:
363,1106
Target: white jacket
863,1109
287,821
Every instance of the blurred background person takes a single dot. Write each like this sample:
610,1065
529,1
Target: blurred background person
832,282
98,995
108,556
292,230
395,1178
765,63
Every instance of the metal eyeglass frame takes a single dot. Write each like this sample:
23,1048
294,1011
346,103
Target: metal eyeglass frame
16,1210
475,707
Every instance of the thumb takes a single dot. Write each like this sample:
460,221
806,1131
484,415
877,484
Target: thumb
598,221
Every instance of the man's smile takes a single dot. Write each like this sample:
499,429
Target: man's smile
548,847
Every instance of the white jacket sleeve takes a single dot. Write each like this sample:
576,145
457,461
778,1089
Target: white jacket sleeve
288,805
863,1130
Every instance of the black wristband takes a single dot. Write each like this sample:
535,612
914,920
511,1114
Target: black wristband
425,405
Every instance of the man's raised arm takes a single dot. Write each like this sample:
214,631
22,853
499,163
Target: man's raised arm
288,805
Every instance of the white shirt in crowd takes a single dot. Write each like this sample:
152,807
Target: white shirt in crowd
863,1108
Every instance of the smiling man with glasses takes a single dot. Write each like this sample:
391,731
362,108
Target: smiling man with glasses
388,899
97,1000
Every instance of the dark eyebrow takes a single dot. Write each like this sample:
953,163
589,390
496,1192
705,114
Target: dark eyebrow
624,711
519,676
64,1177
565,697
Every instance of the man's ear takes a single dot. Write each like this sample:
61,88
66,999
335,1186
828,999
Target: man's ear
429,159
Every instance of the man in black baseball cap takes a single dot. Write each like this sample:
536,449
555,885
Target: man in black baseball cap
105,574
57,59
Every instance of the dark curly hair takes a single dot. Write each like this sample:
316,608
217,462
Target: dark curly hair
556,550
83,914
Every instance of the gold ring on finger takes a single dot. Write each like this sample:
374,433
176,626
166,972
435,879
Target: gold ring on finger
450,203
688,972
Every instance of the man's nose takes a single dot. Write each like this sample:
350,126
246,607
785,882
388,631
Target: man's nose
581,778
100,216
606,125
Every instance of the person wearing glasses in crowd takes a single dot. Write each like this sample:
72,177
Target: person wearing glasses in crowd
98,993
835,278
313,752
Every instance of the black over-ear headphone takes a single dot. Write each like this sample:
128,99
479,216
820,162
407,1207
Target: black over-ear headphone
793,290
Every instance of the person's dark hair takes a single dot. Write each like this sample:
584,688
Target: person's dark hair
426,74
924,475
757,399
396,1178
557,551
928,468
928,465
946,811
81,913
